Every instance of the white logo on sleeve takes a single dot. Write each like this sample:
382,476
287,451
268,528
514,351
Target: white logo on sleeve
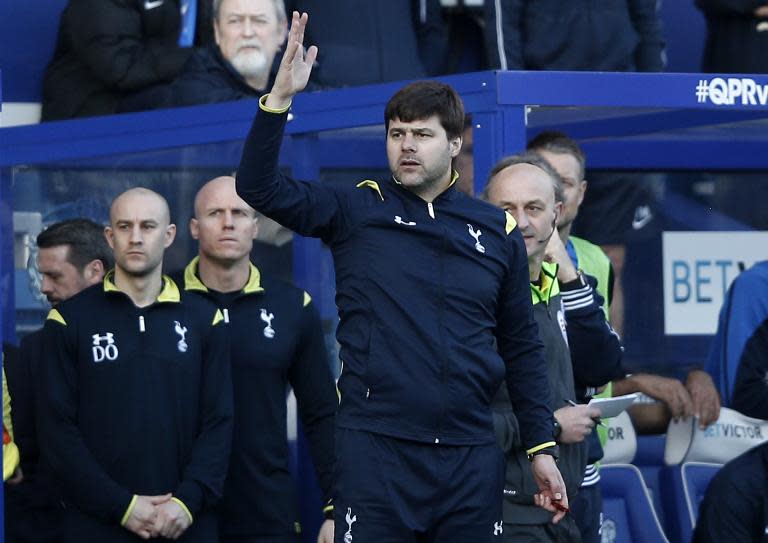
399,220
498,528
350,521
476,234
152,4
182,331
104,352
269,332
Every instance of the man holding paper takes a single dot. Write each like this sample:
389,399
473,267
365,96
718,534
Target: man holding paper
575,333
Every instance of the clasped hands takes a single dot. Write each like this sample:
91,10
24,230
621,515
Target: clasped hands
157,516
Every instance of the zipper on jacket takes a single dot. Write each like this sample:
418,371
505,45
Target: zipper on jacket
431,210
142,328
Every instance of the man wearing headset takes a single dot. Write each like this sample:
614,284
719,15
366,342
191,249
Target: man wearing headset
575,334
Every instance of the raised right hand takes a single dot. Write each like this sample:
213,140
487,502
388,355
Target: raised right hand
295,67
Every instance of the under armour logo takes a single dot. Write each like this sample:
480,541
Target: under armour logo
350,521
498,528
476,235
182,331
399,220
105,352
269,332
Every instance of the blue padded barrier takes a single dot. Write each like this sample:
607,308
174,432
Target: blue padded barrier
628,512
683,489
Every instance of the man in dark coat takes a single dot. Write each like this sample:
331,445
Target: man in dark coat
248,35
118,55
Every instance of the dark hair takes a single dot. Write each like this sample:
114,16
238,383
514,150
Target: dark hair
85,239
560,144
423,99
526,158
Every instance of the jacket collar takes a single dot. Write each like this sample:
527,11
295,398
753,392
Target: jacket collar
169,292
449,193
193,282
548,287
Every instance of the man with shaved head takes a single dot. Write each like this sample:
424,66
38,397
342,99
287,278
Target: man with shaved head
137,413
283,346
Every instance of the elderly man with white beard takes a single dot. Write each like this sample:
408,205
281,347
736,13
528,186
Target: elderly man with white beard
241,64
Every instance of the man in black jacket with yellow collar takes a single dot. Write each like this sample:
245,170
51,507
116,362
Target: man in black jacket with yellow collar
137,413
277,342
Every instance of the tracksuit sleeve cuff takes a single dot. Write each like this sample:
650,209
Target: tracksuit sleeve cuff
263,106
328,511
578,298
538,448
189,495
181,504
128,511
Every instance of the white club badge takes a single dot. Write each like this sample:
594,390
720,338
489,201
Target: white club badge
182,331
269,332
476,234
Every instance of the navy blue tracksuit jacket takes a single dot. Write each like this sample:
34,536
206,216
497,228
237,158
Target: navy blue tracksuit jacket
426,293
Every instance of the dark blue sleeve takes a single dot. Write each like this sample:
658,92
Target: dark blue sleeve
309,209
504,34
202,482
744,309
649,55
596,352
431,35
733,507
312,382
522,351
750,392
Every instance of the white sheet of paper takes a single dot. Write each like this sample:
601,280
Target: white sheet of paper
611,407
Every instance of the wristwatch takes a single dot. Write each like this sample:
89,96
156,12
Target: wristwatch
556,431
553,451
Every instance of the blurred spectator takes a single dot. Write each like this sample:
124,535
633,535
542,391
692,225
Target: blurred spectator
11,469
72,255
242,63
119,55
735,507
610,35
698,396
738,360
464,161
737,36
374,41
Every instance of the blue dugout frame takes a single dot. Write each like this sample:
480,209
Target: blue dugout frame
624,122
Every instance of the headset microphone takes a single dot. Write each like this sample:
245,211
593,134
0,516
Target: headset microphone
554,227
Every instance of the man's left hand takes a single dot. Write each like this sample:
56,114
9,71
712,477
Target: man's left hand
326,532
171,522
706,400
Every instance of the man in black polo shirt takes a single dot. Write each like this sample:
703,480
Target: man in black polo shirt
277,342
137,413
